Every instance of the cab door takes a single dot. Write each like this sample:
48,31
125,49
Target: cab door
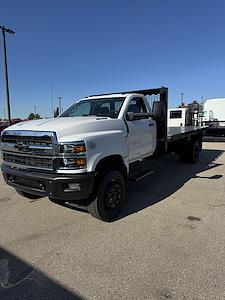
142,132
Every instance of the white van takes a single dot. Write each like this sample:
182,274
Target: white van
177,117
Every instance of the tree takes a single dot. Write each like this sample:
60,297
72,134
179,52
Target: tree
33,116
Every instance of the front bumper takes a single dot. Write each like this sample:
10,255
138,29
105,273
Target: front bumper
55,186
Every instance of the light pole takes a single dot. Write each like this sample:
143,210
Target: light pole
182,99
6,69
60,104
52,105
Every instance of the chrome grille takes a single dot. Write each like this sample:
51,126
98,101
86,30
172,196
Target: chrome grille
29,161
30,140
29,149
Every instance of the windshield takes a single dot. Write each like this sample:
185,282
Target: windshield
106,107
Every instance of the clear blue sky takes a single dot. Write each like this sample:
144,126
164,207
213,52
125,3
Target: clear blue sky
84,47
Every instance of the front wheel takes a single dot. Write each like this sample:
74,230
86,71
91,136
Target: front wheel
110,197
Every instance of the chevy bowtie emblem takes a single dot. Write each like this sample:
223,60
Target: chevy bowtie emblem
22,147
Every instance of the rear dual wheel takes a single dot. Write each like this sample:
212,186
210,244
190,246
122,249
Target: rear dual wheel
191,152
110,197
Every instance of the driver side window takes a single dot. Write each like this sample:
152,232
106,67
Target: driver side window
137,105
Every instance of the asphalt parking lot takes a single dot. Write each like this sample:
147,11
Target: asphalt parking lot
169,243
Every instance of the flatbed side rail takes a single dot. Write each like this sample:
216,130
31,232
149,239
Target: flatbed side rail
178,133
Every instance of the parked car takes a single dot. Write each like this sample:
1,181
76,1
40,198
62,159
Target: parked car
5,124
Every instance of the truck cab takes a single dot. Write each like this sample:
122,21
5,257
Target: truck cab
138,135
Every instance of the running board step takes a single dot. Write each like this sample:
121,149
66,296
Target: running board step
141,175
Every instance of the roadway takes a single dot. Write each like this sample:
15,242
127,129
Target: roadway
169,243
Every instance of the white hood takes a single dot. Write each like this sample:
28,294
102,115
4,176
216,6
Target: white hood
70,126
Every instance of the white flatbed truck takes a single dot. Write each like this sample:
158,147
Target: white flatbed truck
86,155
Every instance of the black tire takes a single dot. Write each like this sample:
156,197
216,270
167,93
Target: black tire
191,153
110,197
28,195
195,152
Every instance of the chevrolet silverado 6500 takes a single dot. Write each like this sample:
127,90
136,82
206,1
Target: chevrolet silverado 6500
85,155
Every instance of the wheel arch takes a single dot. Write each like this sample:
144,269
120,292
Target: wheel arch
111,162
106,164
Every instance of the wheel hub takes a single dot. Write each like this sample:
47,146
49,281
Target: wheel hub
112,195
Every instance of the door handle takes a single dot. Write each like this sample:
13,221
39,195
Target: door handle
151,124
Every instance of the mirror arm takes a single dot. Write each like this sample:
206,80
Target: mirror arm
135,116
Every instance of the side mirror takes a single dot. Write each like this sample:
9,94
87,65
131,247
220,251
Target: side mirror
56,112
158,110
130,116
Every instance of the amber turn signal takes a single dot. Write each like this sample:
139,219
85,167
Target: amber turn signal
79,148
80,162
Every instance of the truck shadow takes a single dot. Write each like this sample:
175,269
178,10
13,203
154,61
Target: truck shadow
20,280
169,176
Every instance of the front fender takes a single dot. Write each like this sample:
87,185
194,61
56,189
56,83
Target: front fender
104,145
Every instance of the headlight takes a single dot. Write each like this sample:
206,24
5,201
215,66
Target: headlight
72,155
73,148
74,162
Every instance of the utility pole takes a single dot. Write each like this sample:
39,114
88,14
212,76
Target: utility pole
35,110
60,105
52,105
6,69
182,98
